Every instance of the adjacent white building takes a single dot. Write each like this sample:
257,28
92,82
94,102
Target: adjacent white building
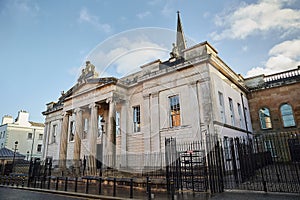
189,96
28,135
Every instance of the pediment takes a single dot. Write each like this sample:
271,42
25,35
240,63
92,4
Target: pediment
88,85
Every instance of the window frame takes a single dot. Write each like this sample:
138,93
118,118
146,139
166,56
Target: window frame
136,118
175,112
53,133
231,109
263,120
221,107
241,117
72,131
86,122
291,114
39,150
29,138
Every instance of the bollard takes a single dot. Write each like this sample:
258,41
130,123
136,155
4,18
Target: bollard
34,182
13,181
100,186
66,183
149,187
41,182
17,182
49,182
56,186
114,189
28,181
131,189
87,186
23,181
76,181
172,188
8,180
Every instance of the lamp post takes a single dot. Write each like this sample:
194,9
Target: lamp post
13,161
102,121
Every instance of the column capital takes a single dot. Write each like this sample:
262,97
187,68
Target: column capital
192,83
154,94
65,114
109,100
77,110
146,96
94,105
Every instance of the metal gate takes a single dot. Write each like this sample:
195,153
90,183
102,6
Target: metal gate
185,166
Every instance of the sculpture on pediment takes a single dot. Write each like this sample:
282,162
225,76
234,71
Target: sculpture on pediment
87,72
175,52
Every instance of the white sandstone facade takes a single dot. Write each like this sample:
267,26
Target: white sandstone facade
28,135
189,96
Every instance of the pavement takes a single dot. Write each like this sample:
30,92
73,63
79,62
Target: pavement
13,192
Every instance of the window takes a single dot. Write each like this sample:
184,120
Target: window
265,119
54,127
240,115
174,111
232,117
269,147
136,119
100,125
287,115
40,136
39,148
227,150
117,123
29,136
85,128
72,131
221,107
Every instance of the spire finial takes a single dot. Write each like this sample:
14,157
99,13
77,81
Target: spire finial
180,40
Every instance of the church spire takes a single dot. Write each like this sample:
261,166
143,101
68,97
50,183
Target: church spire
180,40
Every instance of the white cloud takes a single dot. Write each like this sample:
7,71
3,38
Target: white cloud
127,57
264,16
168,9
143,14
17,7
245,48
85,16
283,56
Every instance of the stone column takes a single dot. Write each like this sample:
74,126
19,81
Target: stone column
63,142
111,134
123,125
46,139
155,123
146,112
194,110
77,143
92,138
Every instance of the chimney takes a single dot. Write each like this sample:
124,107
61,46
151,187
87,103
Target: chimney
7,119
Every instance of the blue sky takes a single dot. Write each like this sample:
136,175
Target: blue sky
43,44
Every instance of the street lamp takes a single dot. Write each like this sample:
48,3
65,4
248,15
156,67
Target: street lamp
13,161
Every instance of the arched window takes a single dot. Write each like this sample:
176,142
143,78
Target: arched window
287,115
265,118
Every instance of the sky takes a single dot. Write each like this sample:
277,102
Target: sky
44,44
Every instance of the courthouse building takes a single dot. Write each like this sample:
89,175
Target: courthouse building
189,96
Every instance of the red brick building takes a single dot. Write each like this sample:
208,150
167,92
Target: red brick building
274,101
